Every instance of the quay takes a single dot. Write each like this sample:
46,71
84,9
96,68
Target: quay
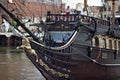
9,39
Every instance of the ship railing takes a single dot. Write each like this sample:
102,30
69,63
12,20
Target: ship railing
88,19
51,18
61,17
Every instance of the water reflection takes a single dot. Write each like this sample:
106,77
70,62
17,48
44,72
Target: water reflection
14,65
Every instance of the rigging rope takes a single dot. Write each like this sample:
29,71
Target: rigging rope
17,4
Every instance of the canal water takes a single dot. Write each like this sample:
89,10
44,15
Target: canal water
14,65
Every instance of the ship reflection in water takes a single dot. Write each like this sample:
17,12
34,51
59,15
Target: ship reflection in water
14,65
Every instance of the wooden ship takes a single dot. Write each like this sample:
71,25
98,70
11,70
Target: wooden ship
91,50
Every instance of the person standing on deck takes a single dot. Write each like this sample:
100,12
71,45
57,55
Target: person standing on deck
67,12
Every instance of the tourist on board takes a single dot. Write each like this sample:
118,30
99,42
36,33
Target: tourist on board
83,12
62,12
116,22
67,12
62,15
75,11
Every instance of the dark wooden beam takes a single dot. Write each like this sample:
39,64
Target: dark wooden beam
85,5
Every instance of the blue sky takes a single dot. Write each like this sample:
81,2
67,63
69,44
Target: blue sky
72,3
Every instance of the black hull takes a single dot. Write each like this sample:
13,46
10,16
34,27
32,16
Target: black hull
91,71
99,63
82,69
44,73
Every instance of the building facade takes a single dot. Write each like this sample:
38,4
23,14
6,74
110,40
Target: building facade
32,8
101,11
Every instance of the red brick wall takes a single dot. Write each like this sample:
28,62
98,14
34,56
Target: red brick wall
30,8
36,9
41,9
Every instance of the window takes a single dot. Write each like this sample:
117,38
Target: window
115,44
96,42
103,44
110,44
109,9
104,55
119,45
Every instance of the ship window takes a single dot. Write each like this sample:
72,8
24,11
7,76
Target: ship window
60,37
110,44
93,42
96,42
103,43
104,55
115,44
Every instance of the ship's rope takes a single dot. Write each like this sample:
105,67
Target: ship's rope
41,5
20,8
29,10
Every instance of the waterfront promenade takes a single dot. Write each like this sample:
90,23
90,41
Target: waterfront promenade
14,65
9,39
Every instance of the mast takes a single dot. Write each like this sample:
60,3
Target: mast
85,6
113,11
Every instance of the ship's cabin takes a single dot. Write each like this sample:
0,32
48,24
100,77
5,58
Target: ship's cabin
60,28
107,45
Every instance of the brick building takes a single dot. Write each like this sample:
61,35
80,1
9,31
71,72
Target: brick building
32,8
